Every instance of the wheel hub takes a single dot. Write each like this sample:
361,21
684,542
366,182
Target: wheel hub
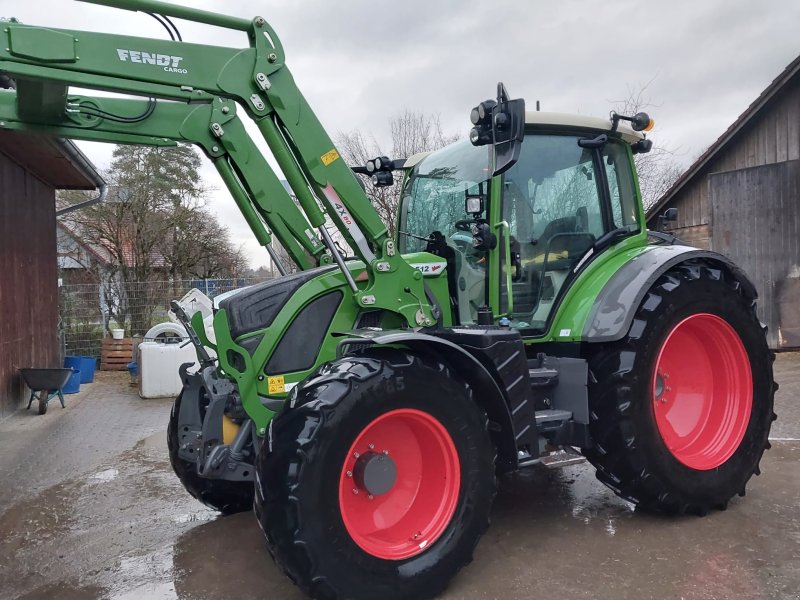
375,473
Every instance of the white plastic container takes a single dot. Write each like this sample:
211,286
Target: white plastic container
195,301
158,368
117,334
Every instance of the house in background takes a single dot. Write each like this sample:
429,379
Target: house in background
742,198
80,262
32,167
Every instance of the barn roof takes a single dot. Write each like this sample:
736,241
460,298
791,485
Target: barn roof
755,107
46,158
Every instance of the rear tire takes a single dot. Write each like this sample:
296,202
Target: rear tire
335,543
687,440
43,401
228,497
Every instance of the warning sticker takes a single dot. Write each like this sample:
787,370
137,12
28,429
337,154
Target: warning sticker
329,157
276,385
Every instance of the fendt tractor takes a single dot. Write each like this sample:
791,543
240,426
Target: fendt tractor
522,315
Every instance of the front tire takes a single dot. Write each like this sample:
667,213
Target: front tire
228,497
681,407
377,479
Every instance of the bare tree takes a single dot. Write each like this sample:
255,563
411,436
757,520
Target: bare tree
411,133
154,226
659,168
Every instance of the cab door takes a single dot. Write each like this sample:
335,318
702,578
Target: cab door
557,201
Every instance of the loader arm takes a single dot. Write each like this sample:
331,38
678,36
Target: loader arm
45,61
260,196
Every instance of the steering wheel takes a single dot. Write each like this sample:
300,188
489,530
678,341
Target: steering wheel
464,224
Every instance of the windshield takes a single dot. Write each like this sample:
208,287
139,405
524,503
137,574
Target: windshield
433,197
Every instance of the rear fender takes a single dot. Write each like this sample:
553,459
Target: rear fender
487,392
612,313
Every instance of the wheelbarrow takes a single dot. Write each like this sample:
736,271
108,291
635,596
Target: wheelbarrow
47,383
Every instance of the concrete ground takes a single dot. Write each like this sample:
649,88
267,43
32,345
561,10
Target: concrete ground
90,509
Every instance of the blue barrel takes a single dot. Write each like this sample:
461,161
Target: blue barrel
88,365
85,364
73,385
72,362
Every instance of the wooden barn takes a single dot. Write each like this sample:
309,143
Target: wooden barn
742,198
32,167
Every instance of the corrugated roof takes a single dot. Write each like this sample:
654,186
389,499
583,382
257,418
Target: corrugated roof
772,89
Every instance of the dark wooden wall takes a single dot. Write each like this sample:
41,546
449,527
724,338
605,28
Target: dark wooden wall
756,213
772,136
28,279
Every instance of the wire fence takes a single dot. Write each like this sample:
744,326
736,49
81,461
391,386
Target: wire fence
89,311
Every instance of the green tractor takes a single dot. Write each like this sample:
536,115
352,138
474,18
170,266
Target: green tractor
522,316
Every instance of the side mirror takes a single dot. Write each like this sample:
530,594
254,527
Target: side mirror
509,128
500,123
671,214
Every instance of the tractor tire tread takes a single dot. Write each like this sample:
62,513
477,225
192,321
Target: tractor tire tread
282,521
617,454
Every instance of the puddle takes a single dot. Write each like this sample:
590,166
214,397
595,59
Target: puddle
144,576
103,476
150,591
196,517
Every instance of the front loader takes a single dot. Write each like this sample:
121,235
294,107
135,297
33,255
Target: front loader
522,316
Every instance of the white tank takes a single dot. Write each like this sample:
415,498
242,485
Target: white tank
158,368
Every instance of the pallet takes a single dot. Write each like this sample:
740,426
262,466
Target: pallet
116,354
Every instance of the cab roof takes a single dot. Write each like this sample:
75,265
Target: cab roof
552,119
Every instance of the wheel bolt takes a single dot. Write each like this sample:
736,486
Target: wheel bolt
356,455
349,473
386,452
355,491
372,446
668,389
370,496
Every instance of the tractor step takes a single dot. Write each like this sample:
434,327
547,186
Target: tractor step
543,377
562,457
552,415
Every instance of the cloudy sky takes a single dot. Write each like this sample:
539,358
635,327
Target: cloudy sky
361,62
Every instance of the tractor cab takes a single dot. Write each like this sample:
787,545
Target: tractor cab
571,194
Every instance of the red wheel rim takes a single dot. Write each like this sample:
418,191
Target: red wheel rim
405,520
702,390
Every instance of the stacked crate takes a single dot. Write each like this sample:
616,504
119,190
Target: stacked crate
116,354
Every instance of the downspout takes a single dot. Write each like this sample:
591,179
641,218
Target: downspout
102,187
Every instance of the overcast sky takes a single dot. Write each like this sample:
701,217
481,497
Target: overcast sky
359,63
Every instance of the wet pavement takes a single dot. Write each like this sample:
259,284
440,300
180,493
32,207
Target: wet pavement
90,509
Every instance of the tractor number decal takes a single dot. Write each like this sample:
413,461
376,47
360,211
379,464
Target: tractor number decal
433,268
353,229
